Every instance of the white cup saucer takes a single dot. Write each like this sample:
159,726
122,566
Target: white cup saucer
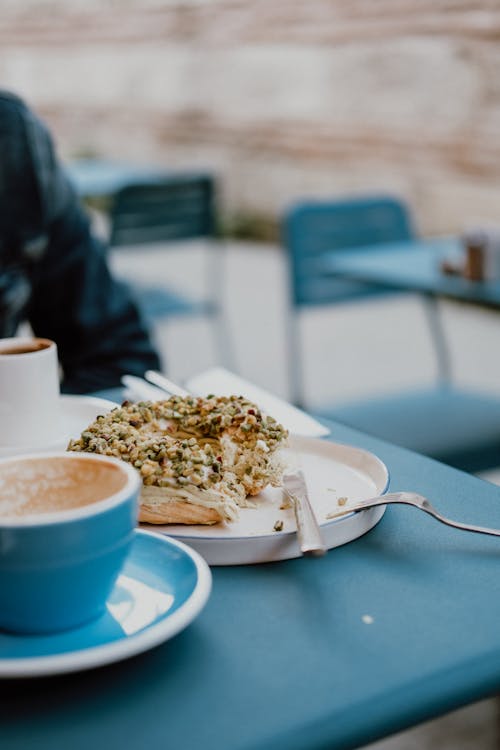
77,412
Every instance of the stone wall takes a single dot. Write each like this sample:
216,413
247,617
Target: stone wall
282,98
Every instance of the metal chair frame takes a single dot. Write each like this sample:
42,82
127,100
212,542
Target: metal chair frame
173,208
398,227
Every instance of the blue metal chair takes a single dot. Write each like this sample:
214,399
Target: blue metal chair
166,209
458,427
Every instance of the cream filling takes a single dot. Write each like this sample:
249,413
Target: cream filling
224,505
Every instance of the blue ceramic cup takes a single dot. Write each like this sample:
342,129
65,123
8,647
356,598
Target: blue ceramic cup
67,522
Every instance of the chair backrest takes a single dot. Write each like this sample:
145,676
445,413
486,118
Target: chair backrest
175,207
313,228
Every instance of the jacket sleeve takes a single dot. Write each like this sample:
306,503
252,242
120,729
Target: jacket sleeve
76,301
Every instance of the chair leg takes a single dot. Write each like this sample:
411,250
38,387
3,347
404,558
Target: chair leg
216,283
294,359
223,340
438,336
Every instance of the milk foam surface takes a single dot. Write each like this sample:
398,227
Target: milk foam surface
35,486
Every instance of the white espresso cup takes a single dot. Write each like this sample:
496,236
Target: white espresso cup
29,392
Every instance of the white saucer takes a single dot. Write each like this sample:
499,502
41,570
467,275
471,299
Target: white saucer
163,587
77,412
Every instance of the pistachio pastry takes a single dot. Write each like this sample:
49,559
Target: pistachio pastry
200,458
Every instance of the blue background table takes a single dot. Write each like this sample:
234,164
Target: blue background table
102,178
283,657
414,266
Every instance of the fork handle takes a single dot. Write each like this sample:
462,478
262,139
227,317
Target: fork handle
463,526
165,384
421,502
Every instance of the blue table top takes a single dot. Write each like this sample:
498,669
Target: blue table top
414,266
284,657
102,178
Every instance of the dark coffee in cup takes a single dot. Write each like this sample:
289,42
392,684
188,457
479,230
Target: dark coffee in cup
36,346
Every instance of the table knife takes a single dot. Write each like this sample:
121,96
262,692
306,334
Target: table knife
308,531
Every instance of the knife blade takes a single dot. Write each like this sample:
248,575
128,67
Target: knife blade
308,532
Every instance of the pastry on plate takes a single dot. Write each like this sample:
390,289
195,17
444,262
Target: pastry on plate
200,458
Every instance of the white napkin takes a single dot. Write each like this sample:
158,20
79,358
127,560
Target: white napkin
221,382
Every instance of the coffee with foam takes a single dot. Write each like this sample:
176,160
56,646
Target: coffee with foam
41,486
67,523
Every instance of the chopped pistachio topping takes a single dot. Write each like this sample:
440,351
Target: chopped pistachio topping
216,442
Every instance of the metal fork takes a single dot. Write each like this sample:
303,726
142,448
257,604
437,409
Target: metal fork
418,501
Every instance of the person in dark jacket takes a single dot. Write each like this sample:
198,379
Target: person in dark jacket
53,270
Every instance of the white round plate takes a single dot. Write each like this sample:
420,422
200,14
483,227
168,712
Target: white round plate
163,586
333,471
77,412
